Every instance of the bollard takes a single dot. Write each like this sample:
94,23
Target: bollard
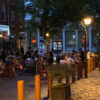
94,61
49,84
85,69
20,90
89,65
78,71
81,69
37,88
73,72
92,64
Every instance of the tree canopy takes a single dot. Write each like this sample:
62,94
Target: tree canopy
52,15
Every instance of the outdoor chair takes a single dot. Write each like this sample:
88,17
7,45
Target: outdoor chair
9,71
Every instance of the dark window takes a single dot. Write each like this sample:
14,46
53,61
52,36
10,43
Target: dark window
12,18
3,13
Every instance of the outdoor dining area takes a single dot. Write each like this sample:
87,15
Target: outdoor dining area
9,67
37,64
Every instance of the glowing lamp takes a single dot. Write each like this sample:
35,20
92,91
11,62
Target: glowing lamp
33,41
87,20
83,41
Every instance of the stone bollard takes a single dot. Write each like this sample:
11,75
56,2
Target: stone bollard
20,90
37,88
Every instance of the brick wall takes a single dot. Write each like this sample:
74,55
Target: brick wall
11,9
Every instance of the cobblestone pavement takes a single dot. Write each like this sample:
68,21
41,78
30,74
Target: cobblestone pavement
8,88
87,89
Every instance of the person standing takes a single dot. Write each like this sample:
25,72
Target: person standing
81,55
51,57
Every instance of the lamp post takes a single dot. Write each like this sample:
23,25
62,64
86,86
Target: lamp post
86,22
1,36
47,39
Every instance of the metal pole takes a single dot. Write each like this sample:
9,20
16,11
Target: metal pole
85,45
85,67
30,39
90,38
38,38
64,48
76,31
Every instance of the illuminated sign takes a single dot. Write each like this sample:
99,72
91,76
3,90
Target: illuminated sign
33,41
83,41
4,30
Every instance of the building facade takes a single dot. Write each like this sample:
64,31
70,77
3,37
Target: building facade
74,39
11,17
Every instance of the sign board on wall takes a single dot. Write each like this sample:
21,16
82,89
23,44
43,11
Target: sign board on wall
4,30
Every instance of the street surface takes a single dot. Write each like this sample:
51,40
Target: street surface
84,89
8,88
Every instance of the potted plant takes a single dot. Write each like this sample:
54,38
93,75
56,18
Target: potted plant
60,90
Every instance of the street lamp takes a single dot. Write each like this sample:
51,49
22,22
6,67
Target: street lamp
47,39
86,22
47,35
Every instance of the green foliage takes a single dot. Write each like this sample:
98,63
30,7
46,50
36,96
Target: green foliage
59,71
55,14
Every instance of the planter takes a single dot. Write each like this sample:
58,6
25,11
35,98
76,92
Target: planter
62,92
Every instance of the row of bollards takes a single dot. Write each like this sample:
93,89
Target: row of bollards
20,84
88,66
20,89
92,63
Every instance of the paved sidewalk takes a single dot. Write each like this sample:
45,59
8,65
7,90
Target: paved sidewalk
87,89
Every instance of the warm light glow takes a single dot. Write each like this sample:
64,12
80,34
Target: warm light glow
1,35
47,34
97,34
87,20
33,41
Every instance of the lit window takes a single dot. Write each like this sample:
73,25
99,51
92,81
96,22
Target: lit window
3,13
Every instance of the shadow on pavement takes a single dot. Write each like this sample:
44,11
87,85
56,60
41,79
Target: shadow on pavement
46,98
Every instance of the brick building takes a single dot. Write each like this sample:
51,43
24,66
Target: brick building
11,16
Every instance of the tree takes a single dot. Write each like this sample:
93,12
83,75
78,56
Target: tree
52,15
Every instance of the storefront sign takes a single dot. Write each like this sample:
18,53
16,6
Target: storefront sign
33,41
4,30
